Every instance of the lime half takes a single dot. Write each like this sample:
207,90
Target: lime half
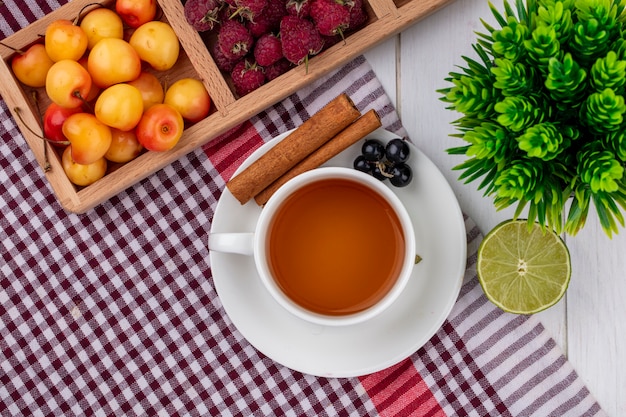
523,271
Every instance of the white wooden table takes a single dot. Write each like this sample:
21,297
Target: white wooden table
589,323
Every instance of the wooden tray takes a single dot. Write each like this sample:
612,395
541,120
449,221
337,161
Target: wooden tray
386,18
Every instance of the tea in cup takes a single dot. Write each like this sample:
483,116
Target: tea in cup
333,246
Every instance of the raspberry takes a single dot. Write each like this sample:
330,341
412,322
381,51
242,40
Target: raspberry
277,69
269,19
331,40
234,40
358,15
300,8
331,17
223,63
300,39
248,9
267,50
247,76
202,15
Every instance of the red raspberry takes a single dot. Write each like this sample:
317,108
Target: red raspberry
202,15
268,49
331,17
300,8
248,9
247,76
277,69
331,40
269,19
234,40
300,39
358,15
223,63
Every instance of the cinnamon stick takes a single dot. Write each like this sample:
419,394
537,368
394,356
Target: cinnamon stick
363,126
309,136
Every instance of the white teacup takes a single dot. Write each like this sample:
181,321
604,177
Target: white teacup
333,246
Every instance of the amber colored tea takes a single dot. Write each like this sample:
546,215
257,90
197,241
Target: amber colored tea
335,247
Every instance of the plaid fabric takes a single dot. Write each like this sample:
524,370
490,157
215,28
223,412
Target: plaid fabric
114,312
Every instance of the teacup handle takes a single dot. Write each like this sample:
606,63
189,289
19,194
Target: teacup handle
240,243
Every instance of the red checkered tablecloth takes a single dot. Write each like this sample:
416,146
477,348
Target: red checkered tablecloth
114,312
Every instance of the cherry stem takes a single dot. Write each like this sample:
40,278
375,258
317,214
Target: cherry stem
17,50
77,94
36,100
159,14
18,112
80,13
46,167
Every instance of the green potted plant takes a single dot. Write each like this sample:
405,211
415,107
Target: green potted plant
542,111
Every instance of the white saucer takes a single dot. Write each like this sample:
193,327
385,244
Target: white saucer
367,347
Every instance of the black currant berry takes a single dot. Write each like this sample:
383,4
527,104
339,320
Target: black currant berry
402,175
397,151
362,164
373,150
